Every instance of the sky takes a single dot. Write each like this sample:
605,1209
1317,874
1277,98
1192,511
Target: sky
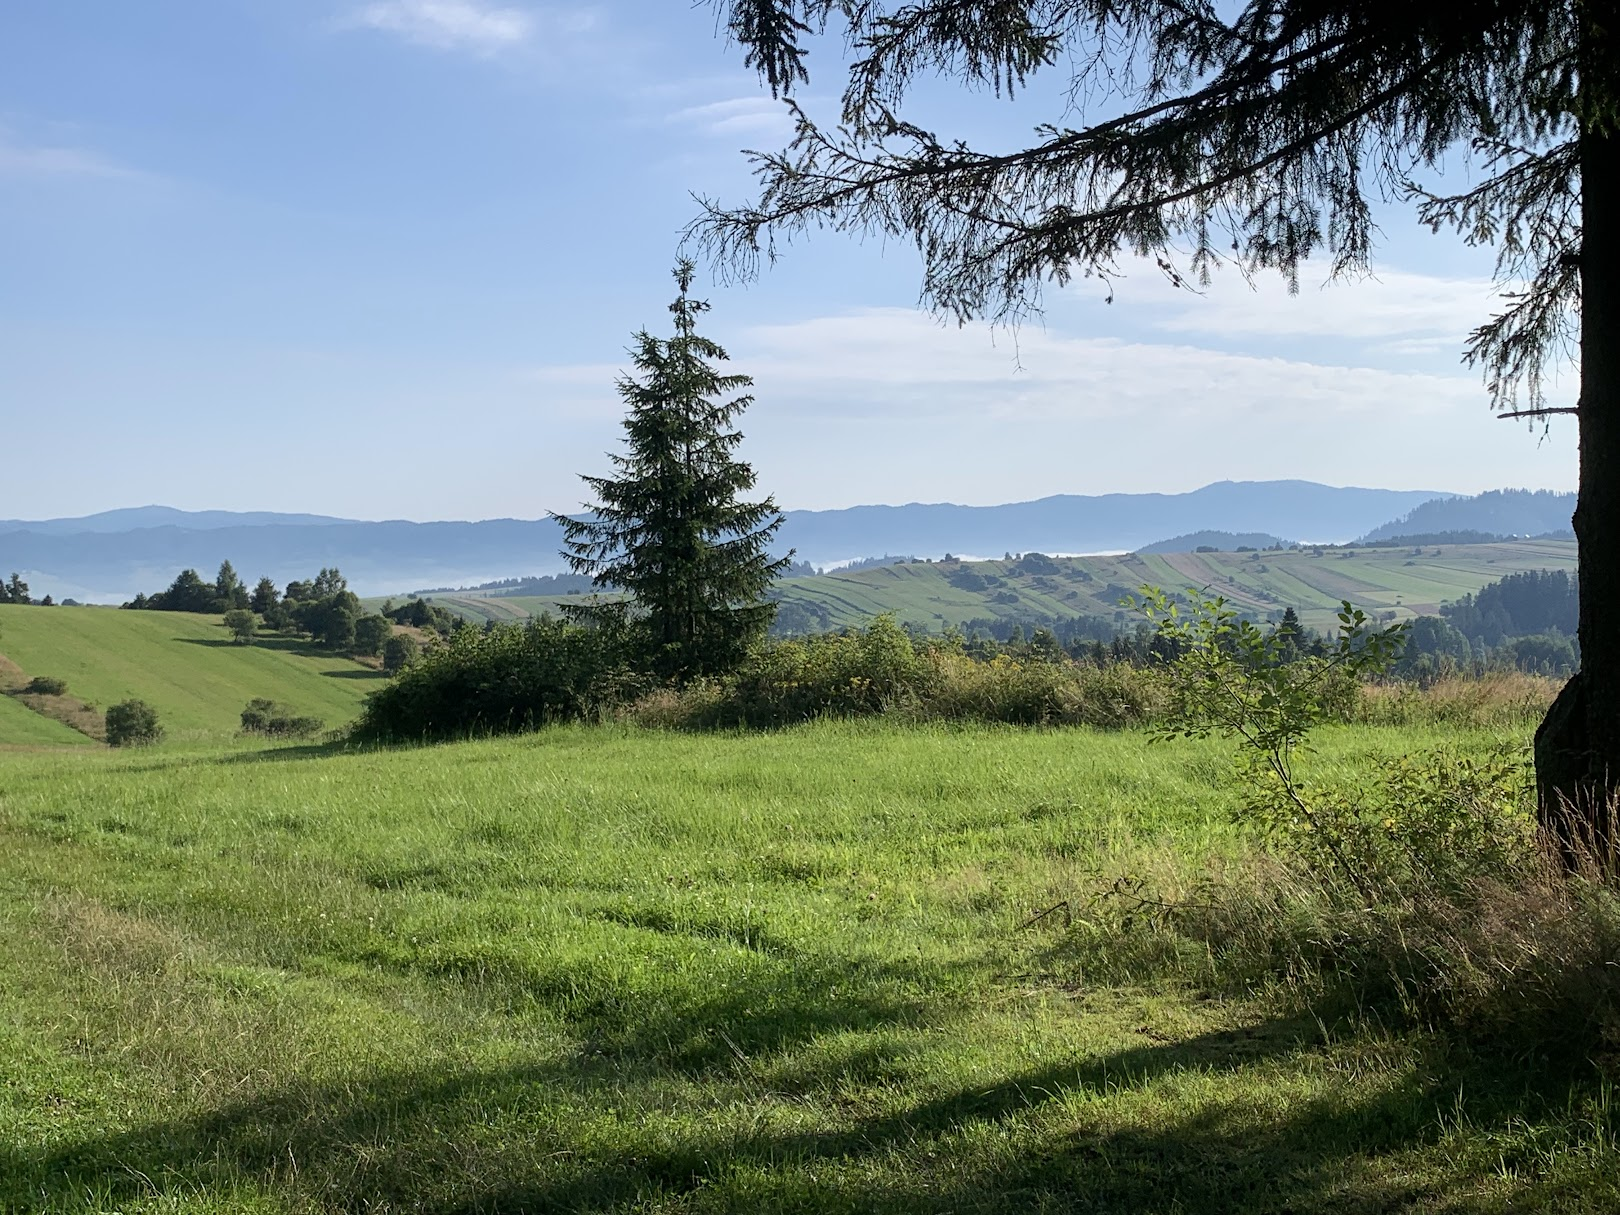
383,258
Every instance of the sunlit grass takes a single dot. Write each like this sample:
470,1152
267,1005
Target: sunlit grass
604,969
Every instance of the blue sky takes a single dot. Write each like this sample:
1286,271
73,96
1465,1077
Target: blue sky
381,259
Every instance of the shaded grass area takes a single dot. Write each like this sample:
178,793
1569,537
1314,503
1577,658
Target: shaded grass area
183,665
593,970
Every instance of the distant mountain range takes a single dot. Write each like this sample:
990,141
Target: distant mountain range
135,518
111,556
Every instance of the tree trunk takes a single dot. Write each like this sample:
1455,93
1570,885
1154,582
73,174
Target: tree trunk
1578,743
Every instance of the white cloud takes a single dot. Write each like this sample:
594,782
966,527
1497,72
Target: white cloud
462,25
1412,313
749,117
888,405
25,160
898,356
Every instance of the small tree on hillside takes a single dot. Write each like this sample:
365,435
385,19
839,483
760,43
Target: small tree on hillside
228,588
330,621
669,528
243,625
265,596
371,633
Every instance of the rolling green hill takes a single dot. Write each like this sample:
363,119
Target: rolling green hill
1313,581
181,664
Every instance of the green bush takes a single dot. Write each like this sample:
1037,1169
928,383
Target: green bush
851,674
46,685
267,717
132,723
506,679
883,670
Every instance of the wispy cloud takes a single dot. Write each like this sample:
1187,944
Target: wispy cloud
1395,310
907,409
452,25
738,116
21,159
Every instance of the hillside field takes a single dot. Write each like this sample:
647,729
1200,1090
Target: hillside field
183,665
937,595
594,970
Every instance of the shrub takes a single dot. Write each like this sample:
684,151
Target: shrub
884,670
850,674
502,680
46,685
132,723
267,717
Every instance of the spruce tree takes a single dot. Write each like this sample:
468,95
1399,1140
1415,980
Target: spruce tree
669,529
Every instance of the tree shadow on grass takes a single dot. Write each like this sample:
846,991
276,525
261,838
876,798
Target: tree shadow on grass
548,1137
300,646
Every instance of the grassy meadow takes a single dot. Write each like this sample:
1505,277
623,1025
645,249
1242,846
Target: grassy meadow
184,665
614,969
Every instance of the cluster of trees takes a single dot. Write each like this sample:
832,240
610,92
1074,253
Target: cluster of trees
15,590
1519,605
1524,621
322,608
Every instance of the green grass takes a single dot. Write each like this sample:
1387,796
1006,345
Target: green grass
600,969
183,665
20,726
1374,579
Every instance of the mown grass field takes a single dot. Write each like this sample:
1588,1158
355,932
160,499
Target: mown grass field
617,970
183,665
1314,582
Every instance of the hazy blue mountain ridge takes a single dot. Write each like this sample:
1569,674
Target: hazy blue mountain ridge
1500,512
113,555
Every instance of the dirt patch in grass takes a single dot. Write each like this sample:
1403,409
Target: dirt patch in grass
69,710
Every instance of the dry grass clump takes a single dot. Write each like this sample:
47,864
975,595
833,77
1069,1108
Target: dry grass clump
1525,964
1498,698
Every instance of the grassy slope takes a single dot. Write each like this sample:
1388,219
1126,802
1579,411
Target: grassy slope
598,970
20,726
1374,579
183,665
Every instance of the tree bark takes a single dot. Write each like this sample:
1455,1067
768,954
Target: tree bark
1578,743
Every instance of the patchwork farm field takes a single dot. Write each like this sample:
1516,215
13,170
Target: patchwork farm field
1407,582
604,969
